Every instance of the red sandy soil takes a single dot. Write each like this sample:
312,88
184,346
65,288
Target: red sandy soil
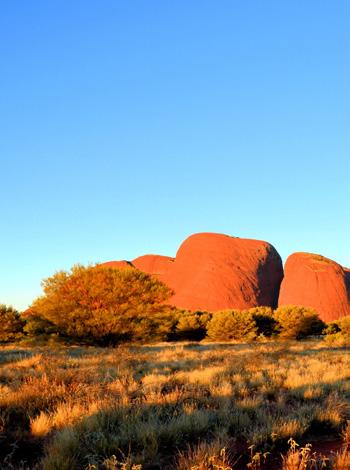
315,281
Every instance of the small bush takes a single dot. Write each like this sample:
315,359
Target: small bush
11,324
338,332
36,325
297,322
265,322
191,326
337,339
344,325
232,324
331,328
157,327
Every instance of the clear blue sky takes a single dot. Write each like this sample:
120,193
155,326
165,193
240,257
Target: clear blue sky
126,126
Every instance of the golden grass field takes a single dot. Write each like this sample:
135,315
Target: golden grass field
176,406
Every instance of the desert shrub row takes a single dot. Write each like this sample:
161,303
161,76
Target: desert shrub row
106,306
290,322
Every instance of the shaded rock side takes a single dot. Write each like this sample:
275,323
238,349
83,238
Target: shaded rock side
314,281
347,280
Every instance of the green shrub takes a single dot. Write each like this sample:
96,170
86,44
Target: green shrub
337,339
338,332
344,325
11,324
331,328
232,325
36,325
265,322
296,322
191,326
157,327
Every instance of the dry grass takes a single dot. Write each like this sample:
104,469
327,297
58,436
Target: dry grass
174,407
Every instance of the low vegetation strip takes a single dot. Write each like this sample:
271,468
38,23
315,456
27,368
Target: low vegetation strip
107,306
183,406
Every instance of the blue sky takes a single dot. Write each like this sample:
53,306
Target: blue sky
127,126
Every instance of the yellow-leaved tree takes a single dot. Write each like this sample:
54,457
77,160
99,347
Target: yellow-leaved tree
104,304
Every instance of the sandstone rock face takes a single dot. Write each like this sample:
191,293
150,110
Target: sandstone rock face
315,281
214,271
117,264
156,265
347,280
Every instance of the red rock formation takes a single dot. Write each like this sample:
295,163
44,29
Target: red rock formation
153,264
117,264
213,271
347,280
315,281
